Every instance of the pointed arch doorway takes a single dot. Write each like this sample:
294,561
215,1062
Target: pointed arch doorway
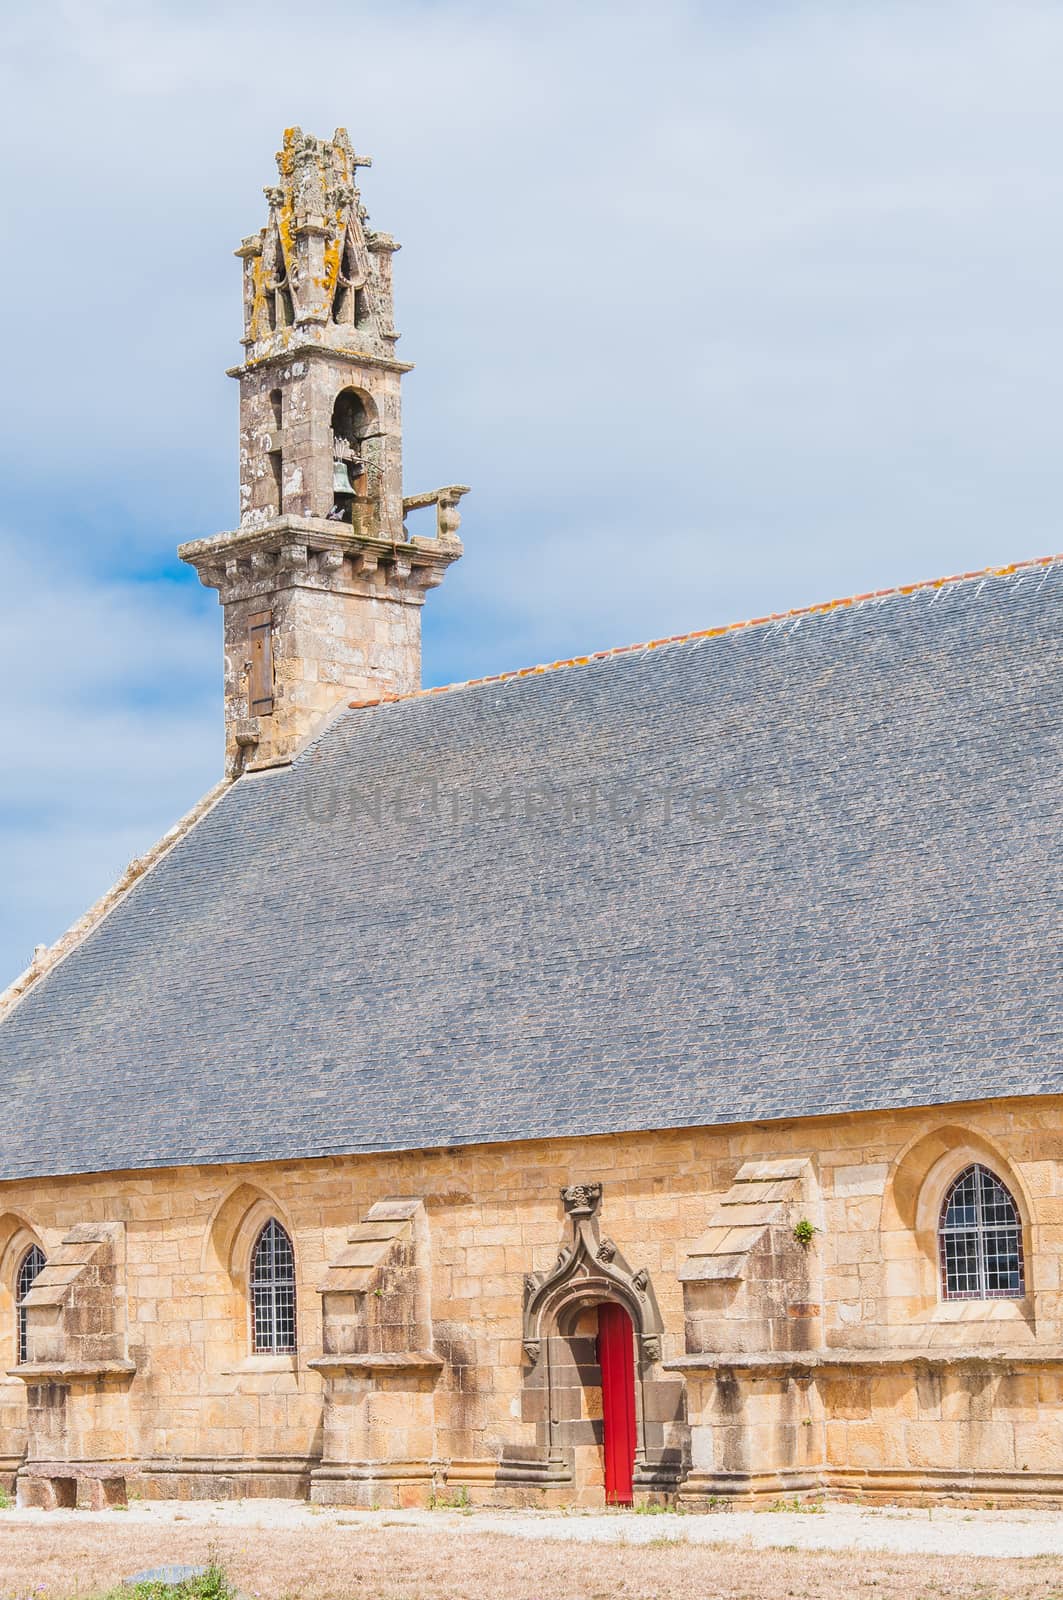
592,1334
616,1360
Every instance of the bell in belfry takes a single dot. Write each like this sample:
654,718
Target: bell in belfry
341,478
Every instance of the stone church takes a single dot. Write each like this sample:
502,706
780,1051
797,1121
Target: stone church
631,1079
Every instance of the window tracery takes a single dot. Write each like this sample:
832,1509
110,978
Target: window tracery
980,1239
273,1291
32,1263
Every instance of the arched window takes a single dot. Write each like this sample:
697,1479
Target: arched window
980,1239
31,1264
273,1291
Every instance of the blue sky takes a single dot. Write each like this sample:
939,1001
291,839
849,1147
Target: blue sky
720,308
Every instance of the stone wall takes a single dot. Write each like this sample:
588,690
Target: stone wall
829,1365
340,630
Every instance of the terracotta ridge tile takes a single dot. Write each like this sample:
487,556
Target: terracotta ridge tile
820,608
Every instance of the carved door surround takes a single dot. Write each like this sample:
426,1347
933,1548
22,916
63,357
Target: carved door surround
590,1269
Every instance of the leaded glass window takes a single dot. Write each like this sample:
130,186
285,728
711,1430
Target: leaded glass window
980,1239
273,1290
31,1264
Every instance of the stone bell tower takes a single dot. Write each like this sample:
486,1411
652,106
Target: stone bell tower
321,585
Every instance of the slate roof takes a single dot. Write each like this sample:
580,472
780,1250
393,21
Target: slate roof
803,867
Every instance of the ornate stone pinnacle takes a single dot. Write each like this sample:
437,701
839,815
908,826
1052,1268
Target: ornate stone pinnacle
582,1199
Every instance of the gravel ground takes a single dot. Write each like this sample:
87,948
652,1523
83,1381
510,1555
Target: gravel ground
285,1551
900,1530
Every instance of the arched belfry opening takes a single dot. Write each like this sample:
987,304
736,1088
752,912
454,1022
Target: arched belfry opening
354,469
280,307
351,301
592,1335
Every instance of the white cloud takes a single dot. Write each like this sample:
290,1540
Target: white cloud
720,308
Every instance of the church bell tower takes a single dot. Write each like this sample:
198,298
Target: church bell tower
321,585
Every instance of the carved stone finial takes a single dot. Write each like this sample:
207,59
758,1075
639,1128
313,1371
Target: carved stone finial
315,239
582,1199
342,140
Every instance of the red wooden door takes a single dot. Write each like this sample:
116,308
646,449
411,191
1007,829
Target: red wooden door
616,1357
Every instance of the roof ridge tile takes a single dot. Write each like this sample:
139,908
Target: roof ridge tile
821,607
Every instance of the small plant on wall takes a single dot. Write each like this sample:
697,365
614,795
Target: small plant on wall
805,1231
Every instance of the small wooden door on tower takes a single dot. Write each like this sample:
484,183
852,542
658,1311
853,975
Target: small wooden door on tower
616,1357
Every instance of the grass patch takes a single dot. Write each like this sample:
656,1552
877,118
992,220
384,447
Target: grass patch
807,1507
458,1501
